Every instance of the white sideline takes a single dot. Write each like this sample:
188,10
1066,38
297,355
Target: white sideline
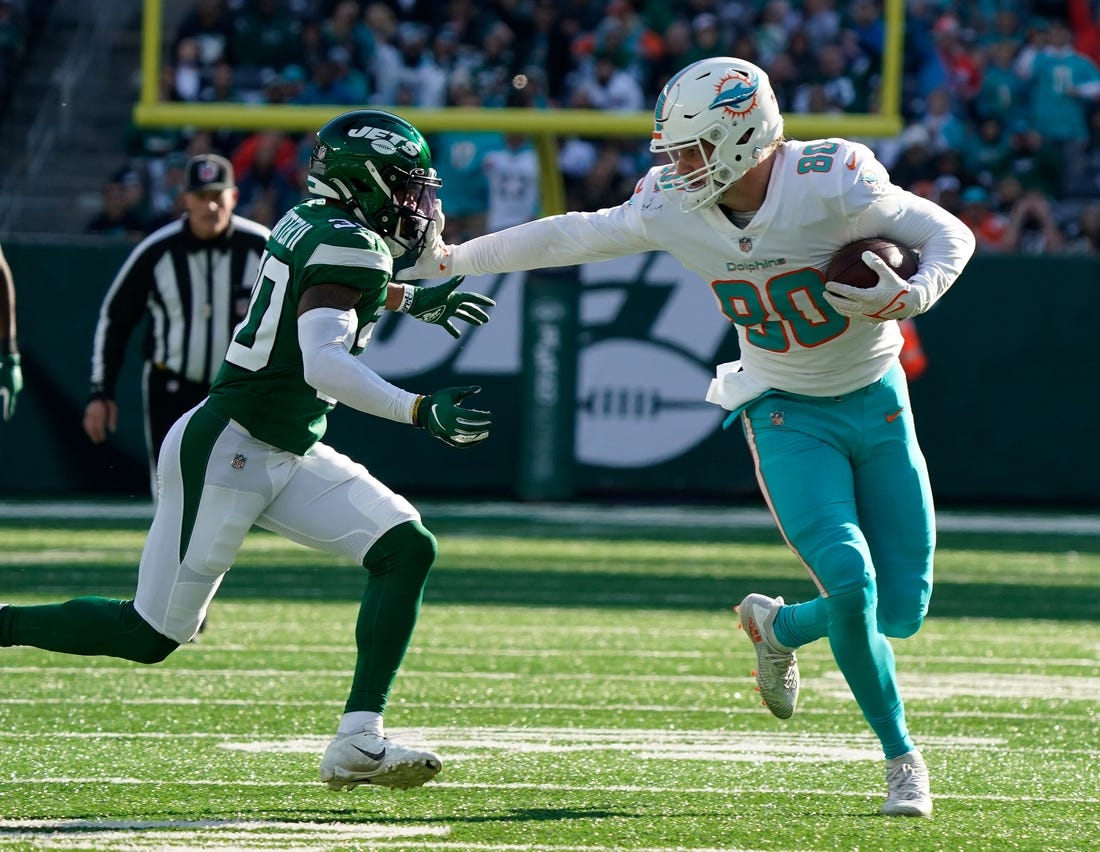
592,515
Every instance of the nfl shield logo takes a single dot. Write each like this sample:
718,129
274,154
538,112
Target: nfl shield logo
777,418
239,461
745,244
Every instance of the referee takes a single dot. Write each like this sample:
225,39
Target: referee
193,279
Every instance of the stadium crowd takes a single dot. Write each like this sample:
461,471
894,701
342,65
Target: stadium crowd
1000,99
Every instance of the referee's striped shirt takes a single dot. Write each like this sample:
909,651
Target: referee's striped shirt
195,292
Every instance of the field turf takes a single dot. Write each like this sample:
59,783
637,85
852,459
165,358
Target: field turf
585,683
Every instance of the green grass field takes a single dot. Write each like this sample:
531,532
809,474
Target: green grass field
585,684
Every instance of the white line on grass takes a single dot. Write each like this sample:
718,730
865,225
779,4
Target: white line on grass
754,789
915,685
680,516
588,706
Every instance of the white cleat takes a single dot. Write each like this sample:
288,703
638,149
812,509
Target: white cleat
364,758
907,789
776,673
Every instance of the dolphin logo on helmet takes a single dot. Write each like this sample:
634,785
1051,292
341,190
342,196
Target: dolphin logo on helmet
723,108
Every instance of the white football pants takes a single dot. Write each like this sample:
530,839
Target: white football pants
215,481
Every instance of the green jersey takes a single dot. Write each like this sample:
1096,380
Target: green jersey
261,383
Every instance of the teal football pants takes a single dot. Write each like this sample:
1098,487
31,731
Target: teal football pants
848,486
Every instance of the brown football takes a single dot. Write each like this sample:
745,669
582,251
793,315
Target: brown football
847,265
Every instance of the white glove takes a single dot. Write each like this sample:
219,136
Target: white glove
891,299
435,260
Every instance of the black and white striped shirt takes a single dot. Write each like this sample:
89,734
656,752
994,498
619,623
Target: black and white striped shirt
194,291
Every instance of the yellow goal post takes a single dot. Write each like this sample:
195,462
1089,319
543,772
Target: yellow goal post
543,126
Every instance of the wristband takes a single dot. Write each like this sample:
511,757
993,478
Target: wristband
407,299
416,411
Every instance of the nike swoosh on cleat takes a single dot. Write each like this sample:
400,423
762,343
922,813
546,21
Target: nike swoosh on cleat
890,418
363,751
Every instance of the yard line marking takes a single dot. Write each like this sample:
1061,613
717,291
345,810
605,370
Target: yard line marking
350,830
593,706
599,515
830,683
549,788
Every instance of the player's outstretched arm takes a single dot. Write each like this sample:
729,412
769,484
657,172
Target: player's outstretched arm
326,320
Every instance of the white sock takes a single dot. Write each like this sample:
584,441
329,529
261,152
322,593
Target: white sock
361,720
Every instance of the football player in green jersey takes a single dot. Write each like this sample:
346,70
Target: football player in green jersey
251,453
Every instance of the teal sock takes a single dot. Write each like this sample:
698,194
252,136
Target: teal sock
88,626
398,563
803,623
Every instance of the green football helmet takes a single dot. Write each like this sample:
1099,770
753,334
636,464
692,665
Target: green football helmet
379,167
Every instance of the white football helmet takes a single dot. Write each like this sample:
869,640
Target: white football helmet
726,103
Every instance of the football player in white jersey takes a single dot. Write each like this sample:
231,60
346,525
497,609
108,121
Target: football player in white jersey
251,453
818,390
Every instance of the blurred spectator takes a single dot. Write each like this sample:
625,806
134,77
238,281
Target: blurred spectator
777,22
946,130
607,182
333,81
209,29
187,74
344,29
869,29
986,153
459,158
12,48
989,227
223,86
1084,231
284,87
1033,163
1086,28
1063,86
625,36
277,148
1005,27
821,21
266,38
545,44
512,173
962,76
492,74
608,87
1002,94
834,88
167,178
378,36
706,30
118,216
419,81
266,186
1031,226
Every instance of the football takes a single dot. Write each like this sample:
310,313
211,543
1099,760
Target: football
847,265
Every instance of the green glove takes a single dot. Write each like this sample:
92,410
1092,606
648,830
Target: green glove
11,382
440,304
443,415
